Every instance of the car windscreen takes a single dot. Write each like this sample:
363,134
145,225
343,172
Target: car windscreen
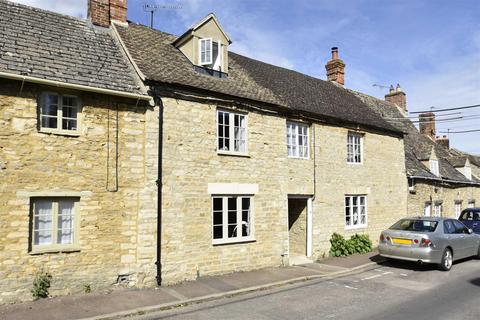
415,225
470,216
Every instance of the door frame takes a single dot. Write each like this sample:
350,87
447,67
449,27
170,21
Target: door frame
309,235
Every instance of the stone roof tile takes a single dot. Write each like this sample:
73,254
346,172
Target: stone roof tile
51,46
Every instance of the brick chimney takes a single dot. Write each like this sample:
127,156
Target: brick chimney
427,124
398,97
335,68
443,141
101,12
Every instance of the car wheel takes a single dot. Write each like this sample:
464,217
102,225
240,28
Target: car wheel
447,260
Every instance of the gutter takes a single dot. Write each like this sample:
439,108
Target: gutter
60,84
444,180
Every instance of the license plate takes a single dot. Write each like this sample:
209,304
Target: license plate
402,241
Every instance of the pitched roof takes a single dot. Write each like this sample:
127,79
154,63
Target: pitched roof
418,147
51,46
159,60
474,159
197,25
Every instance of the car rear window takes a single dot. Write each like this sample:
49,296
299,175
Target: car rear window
470,216
415,225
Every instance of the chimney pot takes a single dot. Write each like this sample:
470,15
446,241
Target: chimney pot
335,53
398,97
335,68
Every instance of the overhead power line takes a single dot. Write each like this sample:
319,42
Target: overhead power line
416,117
447,109
462,131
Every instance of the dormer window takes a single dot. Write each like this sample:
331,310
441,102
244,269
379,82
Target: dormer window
434,167
210,54
468,172
206,46
206,51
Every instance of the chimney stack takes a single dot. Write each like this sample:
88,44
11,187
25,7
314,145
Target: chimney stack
102,12
335,68
443,141
398,97
427,124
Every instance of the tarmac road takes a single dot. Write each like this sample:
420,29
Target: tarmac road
390,291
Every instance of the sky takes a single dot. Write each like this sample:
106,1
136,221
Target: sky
430,47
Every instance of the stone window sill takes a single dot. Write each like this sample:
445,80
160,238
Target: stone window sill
60,132
50,249
234,154
363,226
219,242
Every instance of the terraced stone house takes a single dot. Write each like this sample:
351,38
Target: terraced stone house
132,156
260,164
442,181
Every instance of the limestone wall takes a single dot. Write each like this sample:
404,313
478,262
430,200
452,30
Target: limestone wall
435,192
117,228
191,163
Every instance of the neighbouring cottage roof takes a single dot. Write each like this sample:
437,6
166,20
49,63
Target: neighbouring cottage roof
51,46
418,147
160,61
461,157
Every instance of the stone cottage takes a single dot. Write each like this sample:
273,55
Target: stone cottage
442,181
74,196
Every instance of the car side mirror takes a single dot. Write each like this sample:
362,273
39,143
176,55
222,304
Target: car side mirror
470,231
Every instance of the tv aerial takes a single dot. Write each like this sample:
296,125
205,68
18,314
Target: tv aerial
152,8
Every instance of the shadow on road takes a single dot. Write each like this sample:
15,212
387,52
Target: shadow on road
410,265
475,282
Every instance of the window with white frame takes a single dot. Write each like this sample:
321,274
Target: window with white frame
297,140
354,147
59,113
231,219
471,203
434,167
458,209
355,211
232,132
427,210
206,52
437,209
54,222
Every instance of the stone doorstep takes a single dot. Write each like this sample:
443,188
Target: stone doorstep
141,301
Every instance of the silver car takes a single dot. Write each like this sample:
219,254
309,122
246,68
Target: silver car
429,240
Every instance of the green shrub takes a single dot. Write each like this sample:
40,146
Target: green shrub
361,243
340,247
41,284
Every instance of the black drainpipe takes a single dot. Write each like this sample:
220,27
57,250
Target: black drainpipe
159,192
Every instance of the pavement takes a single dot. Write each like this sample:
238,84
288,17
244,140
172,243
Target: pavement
393,290
121,302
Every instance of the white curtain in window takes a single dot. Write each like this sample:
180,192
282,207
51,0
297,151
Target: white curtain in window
65,222
240,133
43,223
